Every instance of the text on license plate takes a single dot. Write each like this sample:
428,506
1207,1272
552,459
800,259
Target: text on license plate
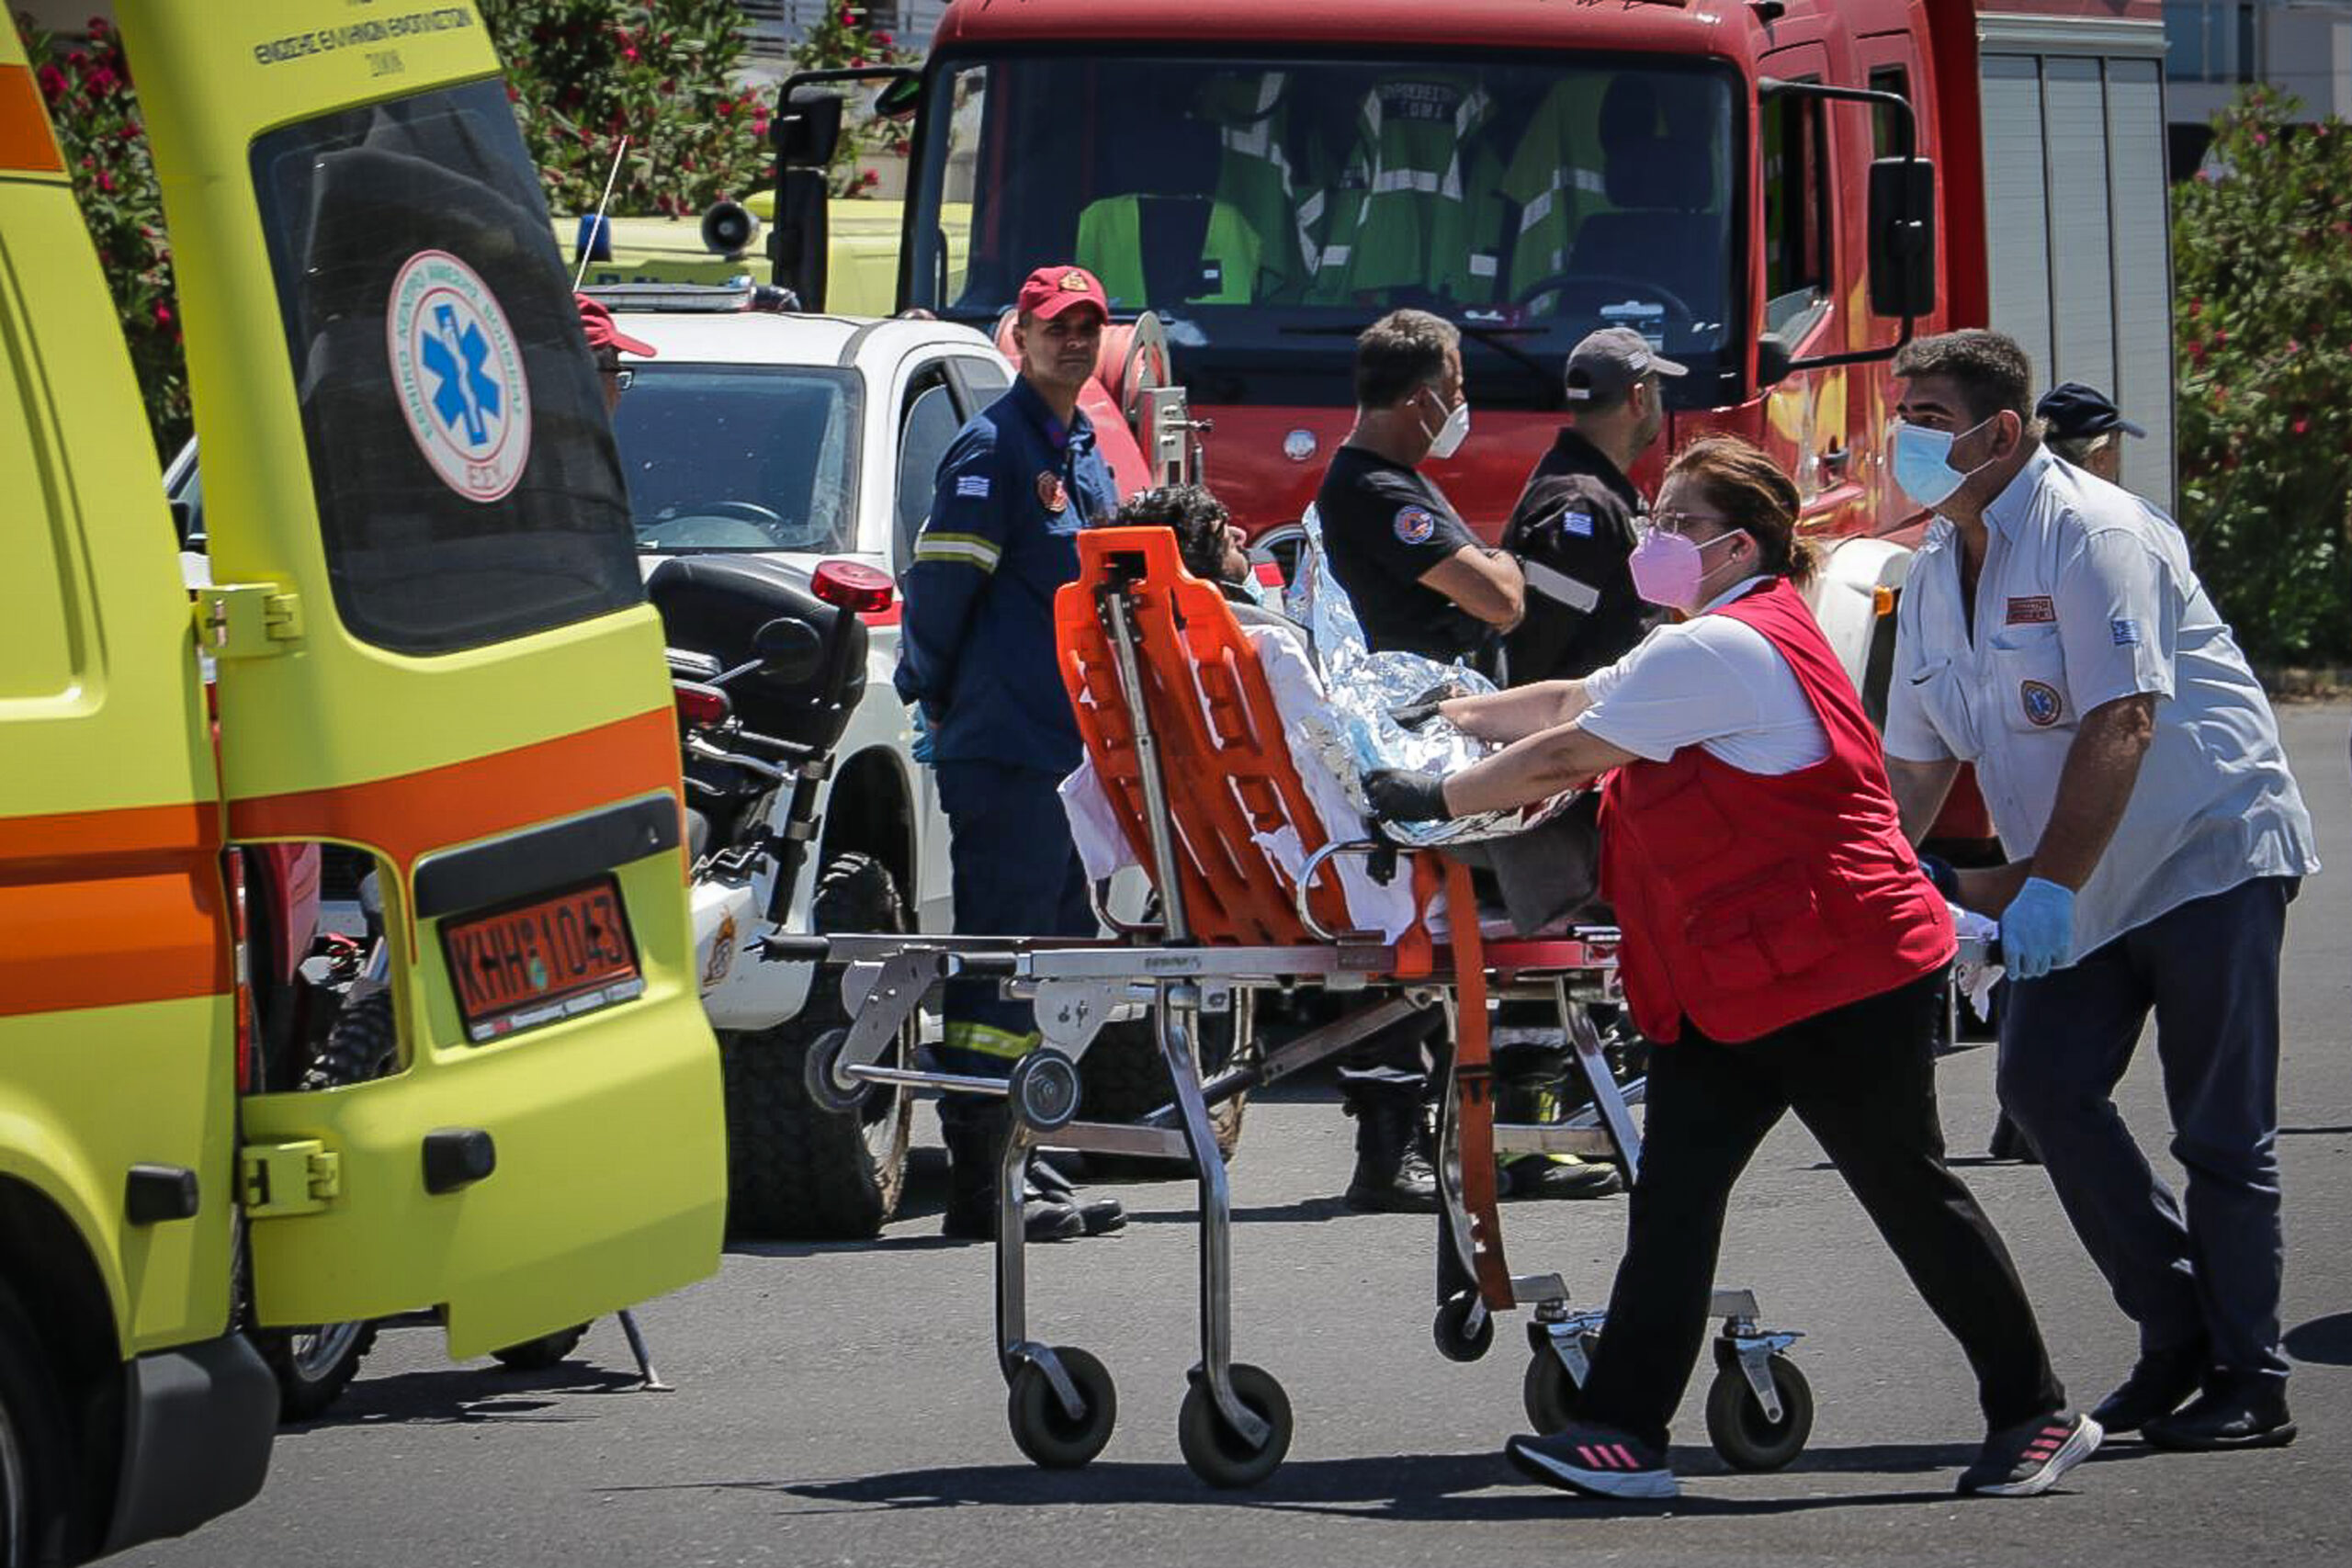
553,958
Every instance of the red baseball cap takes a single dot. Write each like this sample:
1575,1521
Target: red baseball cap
1053,289
596,321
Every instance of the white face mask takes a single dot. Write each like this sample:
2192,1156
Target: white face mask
1451,434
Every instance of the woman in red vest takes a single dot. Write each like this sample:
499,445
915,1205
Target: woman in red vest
1783,952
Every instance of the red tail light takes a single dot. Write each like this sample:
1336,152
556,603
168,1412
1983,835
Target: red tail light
701,706
851,586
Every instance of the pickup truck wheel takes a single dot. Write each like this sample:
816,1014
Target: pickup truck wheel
794,1169
314,1365
33,1439
1122,1078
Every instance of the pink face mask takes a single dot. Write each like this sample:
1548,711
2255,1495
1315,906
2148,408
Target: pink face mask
1667,567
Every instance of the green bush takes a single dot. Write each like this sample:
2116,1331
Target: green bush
87,89
583,74
2262,255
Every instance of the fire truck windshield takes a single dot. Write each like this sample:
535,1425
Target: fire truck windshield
1267,209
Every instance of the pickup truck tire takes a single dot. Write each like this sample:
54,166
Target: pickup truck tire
546,1351
795,1170
33,1439
314,1365
1122,1078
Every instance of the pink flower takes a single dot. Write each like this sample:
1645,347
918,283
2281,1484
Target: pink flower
52,82
105,182
884,40
163,314
629,52
2262,138
2303,427
871,177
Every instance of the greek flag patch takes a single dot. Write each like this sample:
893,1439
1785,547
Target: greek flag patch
2127,633
1576,523
972,487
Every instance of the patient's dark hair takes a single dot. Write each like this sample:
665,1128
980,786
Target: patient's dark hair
1198,517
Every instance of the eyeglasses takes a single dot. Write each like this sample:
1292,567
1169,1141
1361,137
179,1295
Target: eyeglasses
623,377
1682,522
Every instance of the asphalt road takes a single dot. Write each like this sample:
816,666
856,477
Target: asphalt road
840,1404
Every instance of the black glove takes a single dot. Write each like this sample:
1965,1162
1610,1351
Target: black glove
1402,795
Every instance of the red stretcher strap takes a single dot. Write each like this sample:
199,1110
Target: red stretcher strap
1474,1084
1224,763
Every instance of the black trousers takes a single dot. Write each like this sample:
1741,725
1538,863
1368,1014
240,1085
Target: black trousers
1861,1078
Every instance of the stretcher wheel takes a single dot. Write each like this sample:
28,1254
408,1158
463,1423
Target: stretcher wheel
1548,1392
1456,1340
1043,1089
1737,1425
1219,1454
816,1074
1043,1429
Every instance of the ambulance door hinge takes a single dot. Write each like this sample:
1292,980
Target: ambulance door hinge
247,620
279,1180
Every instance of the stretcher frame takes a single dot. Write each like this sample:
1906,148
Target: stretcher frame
1199,958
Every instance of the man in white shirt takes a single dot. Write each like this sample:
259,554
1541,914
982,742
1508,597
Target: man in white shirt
2052,634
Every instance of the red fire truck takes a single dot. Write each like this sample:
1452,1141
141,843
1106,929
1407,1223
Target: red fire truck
1727,176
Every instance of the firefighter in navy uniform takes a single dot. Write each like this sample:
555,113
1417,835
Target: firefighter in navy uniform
1574,525
975,654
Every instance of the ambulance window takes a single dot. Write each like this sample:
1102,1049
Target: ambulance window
1796,211
1886,139
931,425
467,484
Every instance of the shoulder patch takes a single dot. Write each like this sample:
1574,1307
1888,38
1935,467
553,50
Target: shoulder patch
1416,524
1576,523
972,487
2126,633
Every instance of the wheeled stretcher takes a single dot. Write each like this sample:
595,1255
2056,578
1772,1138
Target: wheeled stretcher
1183,732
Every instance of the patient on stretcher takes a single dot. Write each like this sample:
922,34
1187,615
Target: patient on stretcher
1338,722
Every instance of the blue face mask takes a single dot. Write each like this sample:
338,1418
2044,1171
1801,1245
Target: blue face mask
1922,468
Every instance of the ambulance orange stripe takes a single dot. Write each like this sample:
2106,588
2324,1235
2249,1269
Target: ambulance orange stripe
109,909
27,141
411,814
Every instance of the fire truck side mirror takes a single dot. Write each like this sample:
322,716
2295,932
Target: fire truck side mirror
809,132
1902,237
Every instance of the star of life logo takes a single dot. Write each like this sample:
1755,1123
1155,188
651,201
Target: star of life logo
459,375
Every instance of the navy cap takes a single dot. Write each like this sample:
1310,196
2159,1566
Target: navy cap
2075,412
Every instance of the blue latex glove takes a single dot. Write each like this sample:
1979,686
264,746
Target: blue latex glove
921,748
2038,929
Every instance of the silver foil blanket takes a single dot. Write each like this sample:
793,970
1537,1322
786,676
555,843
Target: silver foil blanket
1364,687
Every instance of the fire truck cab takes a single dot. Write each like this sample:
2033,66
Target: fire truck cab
1776,192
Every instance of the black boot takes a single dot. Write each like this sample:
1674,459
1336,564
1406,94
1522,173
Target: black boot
2232,1413
1392,1173
2159,1380
1533,1094
973,1131
1099,1214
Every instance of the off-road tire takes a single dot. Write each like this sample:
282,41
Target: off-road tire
795,1170
546,1351
362,1045
1121,1078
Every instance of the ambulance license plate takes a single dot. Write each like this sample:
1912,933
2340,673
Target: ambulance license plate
542,962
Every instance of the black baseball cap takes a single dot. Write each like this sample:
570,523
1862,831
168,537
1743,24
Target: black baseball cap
2075,412
1604,367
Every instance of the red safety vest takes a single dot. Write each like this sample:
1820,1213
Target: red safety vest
1749,902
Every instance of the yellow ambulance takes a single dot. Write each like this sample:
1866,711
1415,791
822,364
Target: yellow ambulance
428,641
